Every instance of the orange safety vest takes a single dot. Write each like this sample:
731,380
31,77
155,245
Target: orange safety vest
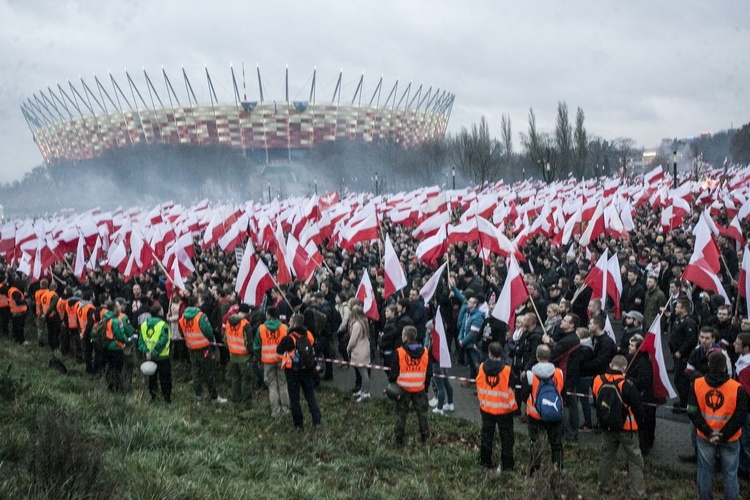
630,423
288,357
236,338
191,330
83,317
47,300
557,377
72,312
16,308
717,405
270,341
495,395
62,308
38,300
412,372
111,334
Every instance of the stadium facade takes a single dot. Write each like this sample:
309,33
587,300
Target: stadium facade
86,121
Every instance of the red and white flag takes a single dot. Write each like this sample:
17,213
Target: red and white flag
395,279
432,249
80,263
429,288
704,264
513,295
652,345
653,176
366,295
614,283
445,353
734,231
595,226
743,284
253,278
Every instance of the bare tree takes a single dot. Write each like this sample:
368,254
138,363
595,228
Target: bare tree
541,149
507,139
599,151
475,154
623,146
581,145
563,137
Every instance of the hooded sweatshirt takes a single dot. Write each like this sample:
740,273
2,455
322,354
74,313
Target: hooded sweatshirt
117,330
205,326
233,320
737,419
415,351
272,324
543,371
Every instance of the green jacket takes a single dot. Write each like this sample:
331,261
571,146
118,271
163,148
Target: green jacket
118,329
205,326
655,299
161,344
271,324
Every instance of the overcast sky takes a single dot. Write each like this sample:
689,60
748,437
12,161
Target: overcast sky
640,68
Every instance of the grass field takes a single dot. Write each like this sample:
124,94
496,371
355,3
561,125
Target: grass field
65,436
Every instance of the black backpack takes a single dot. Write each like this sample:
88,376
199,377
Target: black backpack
611,411
304,353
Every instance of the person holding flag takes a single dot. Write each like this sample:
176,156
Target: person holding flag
441,361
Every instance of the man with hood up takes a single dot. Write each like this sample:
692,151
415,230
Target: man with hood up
238,336
412,372
266,341
199,335
497,405
530,383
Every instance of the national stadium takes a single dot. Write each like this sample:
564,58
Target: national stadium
86,120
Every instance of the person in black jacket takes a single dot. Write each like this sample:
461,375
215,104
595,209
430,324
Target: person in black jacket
562,353
633,295
641,374
604,349
296,379
390,338
717,407
682,341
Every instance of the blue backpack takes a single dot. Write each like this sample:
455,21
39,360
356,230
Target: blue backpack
548,402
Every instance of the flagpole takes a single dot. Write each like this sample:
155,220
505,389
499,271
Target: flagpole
537,315
580,290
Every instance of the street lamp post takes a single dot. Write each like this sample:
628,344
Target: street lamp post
454,177
316,186
269,191
376,185
674,167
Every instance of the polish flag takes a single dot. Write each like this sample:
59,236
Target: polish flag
429,288
743,284
233,237
283,274
431,225
253,278
445,353
117,257
513,295
704,264
395,279
301,262
8,240
614,283
80,264
466,231
654,176
177,281
364,230
608,329
493,240
366,295
596,280
734,231
595,226
652,345
432,249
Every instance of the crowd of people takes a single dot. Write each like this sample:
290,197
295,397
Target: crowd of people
558,344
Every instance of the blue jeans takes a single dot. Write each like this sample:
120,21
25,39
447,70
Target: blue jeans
729,454
444,386
745,446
